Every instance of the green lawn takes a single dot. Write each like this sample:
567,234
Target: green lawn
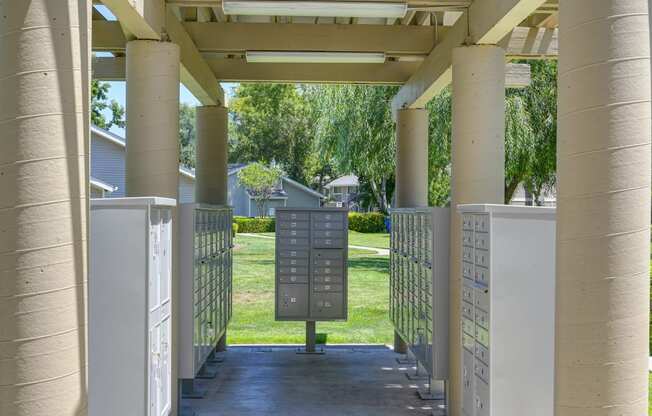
376,240
253,316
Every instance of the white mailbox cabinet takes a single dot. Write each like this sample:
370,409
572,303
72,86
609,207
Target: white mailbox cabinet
129,306
507,310
206,243
419,276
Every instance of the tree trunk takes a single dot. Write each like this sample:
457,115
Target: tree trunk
376,193
509,190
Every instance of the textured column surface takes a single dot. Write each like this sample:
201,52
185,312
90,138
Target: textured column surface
478,164
212,154
44,135
412,158
152,119
153,145
603,211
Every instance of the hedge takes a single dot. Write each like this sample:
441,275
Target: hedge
371,222
254,225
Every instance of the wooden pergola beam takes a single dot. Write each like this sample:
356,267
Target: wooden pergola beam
486,22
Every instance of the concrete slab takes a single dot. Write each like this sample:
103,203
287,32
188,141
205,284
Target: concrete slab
346,381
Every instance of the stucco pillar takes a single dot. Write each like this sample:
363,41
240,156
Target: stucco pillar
152,164
44,137
478,160
212,154
411,170
603,211
412,158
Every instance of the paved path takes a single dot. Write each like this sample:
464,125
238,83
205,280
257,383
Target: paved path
348,380
378,251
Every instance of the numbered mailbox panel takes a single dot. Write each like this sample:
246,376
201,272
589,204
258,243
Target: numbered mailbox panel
507,305
206,244
311,264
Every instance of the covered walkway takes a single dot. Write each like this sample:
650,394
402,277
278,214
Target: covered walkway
349,380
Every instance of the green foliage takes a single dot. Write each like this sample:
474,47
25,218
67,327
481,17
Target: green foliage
519,143
100,103
355,128
187,135
371,222
271,123
254,225
259,180
440,128
234,228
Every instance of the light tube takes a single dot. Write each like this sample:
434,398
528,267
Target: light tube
314,8
315,57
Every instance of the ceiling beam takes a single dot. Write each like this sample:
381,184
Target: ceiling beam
531,43
195,73
238,37
238,70
486,22
140,19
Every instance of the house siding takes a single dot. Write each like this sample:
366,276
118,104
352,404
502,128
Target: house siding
186,189
299,198
108,164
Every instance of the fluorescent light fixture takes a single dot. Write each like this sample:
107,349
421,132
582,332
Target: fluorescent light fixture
315,8
316,57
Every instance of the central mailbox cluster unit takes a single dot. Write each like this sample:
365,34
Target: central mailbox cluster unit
507,307
419,276
311,264
206,290
129,318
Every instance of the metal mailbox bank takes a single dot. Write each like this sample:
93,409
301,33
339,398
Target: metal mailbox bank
508,309
129,306
206,258
419,275
311,264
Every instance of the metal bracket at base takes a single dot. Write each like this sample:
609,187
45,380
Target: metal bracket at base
188,391
317,351
428,395
415,377
206,373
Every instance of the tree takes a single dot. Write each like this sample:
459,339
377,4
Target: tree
100,103
541,101
518,144
355,126
187,135
440,127
259,180
271,123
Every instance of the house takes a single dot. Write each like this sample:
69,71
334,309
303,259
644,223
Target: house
522,197
108,180
288,193
343,191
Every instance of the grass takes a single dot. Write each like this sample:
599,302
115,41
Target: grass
253,316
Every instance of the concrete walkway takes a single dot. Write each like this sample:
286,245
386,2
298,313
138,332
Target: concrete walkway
348,380
377,251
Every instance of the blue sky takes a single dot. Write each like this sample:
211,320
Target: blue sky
118,93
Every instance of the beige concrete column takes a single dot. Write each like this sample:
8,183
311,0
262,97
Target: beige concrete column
412,158
153,144
478,160
212,155
411,170
603,214
44,137
152,119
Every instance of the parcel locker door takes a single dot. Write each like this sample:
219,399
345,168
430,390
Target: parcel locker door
292,301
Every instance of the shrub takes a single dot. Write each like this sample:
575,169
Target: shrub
254,225
234,228
371,222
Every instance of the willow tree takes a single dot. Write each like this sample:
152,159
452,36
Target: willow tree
355,126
